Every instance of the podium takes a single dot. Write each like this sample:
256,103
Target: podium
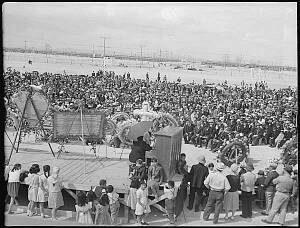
167,149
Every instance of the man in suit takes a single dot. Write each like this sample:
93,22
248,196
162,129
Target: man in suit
198,174
138,150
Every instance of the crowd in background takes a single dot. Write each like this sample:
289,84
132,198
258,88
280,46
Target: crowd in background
211,115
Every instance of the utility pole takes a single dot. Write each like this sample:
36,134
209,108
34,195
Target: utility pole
104,39
141,46
159,55
25,42
93,53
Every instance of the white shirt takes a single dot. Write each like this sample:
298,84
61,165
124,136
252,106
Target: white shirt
14,176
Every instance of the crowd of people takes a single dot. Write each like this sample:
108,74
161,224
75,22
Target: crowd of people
211,115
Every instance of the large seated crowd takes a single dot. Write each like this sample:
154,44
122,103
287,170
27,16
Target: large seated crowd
212,116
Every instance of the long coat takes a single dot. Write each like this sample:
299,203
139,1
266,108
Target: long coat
198,174
138,150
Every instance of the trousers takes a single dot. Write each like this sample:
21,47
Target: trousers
246,198
280,203
269,200
215,200
193,191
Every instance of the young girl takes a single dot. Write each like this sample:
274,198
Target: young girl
142,208
33,189
92,201
43,188
170,194
13,185
114,203
131,200
102,214
83,214
55,199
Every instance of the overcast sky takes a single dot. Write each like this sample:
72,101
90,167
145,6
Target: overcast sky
253,31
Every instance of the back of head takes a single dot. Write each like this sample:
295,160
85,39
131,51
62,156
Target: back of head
46,169
81,199
91,196
102,182
16,167
135,183
110,188
104,200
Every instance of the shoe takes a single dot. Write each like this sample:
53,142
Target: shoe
226,218
215,222
264,213
144,223
243,216
280,224
266,221
42,215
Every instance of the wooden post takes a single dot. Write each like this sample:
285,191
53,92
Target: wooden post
19,129
40,122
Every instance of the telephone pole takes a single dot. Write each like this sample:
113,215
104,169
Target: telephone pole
141,46
104,39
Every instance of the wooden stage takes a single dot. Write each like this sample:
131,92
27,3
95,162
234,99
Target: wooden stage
111,163
72,171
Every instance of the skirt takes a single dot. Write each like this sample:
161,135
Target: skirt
55,200
42,196
231,201
13,189
32,194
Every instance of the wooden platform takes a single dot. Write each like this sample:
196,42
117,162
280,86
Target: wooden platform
112,168
107,165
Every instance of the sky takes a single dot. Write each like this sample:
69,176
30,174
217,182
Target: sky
260,32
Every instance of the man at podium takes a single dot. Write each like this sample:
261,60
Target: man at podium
138,150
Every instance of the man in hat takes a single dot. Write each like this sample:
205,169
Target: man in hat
269,187
248,180
284,187
219,186
198,173
138,150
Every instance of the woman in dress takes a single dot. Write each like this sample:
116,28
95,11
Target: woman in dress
55,199
33,189
43,188
102,214
131,199
13,185
231,199
83,215
142,208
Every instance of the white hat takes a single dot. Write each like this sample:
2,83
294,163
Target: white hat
220,166
201,158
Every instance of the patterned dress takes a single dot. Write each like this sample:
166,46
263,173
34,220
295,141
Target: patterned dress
103,215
